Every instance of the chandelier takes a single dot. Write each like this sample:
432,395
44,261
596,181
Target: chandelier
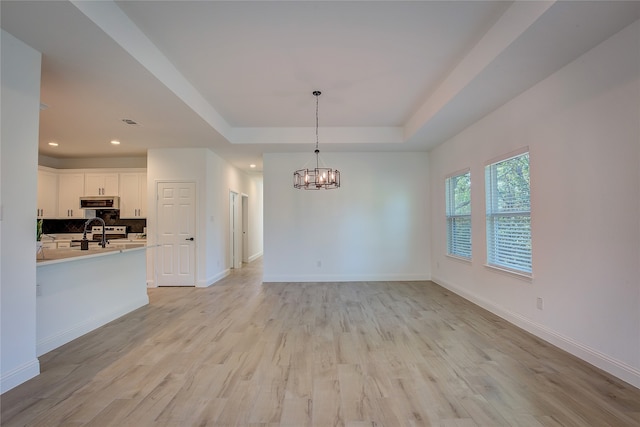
319,177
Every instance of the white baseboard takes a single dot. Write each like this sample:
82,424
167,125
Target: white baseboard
596,358
255,257
346,278
213,279
46,344
19,375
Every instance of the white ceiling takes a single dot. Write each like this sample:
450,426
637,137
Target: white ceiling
237,76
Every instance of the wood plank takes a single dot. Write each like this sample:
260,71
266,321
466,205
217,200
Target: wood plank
245,353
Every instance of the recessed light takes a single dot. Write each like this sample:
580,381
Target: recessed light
53,144
115,142
252,166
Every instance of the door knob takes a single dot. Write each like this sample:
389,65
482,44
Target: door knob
190,238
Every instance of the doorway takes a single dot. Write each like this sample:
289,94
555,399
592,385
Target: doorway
238,228
176,252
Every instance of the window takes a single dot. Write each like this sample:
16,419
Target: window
509,213
458,207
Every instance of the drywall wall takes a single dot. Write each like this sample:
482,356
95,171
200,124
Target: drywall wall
582,128
374,227
214,178
18,190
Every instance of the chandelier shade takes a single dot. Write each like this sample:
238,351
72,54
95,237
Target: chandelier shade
318,178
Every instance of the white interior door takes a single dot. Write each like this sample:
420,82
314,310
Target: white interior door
176,234
235,229
245,228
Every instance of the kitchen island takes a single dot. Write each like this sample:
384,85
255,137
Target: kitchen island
79,291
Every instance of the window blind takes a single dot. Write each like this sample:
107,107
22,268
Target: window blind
507,185
458,211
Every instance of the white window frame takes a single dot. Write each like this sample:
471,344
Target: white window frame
454,217
508,254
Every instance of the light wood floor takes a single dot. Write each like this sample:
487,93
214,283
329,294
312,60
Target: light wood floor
243,353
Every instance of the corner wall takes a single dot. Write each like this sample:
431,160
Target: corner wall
18,189
582,126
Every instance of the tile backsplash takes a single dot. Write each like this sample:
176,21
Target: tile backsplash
110,217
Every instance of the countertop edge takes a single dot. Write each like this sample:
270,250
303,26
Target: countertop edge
94,255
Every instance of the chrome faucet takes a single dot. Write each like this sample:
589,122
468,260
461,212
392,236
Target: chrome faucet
84,244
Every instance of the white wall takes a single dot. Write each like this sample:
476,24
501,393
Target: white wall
582,125
18,189
375,227
214,178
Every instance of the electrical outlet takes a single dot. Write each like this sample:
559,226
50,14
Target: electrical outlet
319,264
540,303
38,290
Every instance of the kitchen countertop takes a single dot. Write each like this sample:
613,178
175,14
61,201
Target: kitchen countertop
53,256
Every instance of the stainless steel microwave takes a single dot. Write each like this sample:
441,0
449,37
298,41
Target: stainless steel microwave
100,202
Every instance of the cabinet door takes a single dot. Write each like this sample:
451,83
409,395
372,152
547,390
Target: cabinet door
101,184
133,195
70,188
110,185
142,209
47,194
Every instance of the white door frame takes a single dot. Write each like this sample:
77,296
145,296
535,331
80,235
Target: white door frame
235,229
157,257
245,228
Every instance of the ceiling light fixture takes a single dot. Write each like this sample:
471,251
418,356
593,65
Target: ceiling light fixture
252,166
53,144
115,142
320,177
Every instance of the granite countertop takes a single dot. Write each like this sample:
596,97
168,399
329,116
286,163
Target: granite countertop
52,256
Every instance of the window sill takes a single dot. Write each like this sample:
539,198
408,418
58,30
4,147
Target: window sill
460,259
527,277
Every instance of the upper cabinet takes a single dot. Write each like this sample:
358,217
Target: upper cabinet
101,184
70,189
47,194
133,195
59,191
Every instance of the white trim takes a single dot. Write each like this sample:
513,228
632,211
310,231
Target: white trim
592,356
255,257
460,259
458,173
19,375
346,278
507,156
522,275
52,342
213,279
196,224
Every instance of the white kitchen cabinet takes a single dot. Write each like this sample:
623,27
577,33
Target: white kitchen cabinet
47,194
70,188
101,184
133,195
